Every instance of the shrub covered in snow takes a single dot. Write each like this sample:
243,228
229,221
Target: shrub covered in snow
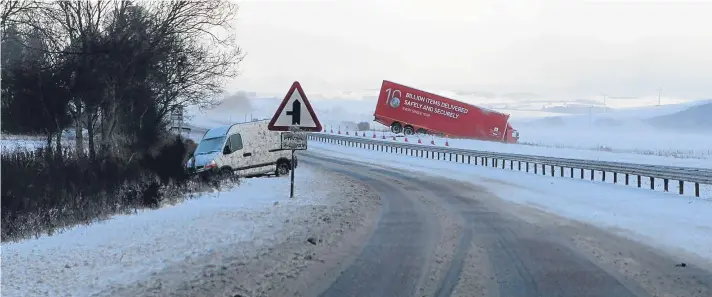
44,191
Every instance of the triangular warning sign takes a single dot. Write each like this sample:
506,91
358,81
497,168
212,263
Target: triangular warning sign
295,111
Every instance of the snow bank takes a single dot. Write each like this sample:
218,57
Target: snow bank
664,220
128,248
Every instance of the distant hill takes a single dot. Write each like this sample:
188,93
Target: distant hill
577,109
697,118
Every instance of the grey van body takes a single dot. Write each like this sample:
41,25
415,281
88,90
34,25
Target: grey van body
247,149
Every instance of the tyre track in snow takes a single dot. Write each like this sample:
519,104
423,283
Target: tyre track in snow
395,259
515,255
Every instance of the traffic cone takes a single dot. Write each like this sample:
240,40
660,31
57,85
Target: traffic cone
374,135
339,131
394,137
347,132
364,133
383,136
446,143
419,141
406,139
432,142
332,131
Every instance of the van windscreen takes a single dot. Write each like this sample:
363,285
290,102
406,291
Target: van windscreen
210,145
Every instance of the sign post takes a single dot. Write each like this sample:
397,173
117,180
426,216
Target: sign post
294,123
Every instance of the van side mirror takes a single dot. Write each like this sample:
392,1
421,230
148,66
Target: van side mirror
226,150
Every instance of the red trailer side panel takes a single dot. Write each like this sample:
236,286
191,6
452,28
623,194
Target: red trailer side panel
420,109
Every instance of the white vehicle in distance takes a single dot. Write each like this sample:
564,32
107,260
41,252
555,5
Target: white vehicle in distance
246,149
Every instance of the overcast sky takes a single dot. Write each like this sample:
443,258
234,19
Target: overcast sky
551,48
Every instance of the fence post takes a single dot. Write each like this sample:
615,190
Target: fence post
681,186
665,184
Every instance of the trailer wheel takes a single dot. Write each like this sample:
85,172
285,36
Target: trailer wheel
422,131
396,128
408,130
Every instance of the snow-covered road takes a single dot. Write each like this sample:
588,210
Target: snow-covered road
160,251
678,224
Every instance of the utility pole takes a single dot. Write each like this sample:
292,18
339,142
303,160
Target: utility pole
604,102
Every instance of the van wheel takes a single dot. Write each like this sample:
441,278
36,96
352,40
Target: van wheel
408,130
396,128
282,169
226,173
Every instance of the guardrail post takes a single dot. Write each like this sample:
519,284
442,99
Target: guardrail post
604,175
665,184
519,165
552,171
543,169
476,158
511,164
592,172
652,183
527,166
469,158
536,168
626,179
581,173
640,184
450,157
495,162
615,177
572,172
697,189
681,186
504,162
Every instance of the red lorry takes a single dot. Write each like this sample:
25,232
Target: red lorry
407,110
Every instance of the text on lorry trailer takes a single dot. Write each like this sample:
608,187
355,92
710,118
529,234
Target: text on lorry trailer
425,104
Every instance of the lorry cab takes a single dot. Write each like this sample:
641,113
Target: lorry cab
512,135
244,149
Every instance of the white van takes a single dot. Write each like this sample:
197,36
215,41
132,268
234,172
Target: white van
248,149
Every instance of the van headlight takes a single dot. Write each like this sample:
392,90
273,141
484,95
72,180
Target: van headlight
211,165
190,163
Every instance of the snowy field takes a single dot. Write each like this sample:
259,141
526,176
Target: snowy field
667,220
127,249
